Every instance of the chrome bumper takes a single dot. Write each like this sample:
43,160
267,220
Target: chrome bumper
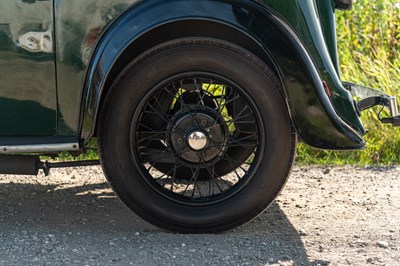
369,97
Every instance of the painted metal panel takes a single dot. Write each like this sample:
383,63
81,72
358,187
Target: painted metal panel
78,26
27,68
303,18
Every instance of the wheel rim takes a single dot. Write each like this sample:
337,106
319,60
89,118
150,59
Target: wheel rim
186,128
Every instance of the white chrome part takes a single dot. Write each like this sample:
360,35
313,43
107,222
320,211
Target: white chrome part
38,148
393,106
197,140
36,42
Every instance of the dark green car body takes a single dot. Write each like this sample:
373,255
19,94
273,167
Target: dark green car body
58,59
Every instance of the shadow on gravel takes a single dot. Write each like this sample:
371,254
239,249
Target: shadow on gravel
88,224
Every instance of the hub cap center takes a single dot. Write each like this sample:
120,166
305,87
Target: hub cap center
193,131
197,140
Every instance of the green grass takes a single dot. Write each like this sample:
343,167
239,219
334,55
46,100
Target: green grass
368,45
91,154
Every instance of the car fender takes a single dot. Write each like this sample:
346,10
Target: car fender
311,110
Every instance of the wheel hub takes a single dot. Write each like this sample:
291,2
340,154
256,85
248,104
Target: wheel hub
198,135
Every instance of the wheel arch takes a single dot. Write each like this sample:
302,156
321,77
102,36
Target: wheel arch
244,23
186,28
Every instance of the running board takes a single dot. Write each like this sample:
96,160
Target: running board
372,97
38,148
31,164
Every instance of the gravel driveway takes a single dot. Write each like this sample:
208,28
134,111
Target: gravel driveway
324,216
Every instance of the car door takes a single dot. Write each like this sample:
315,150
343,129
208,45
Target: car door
28,104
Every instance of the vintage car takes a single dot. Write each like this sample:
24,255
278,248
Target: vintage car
197,105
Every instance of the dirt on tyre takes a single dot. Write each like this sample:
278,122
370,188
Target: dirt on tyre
195,137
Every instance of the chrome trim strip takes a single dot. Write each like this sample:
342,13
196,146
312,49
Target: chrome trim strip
394,111
38,148
362,92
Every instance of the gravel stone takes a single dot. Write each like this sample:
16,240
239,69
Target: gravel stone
302,232
324,216
383,244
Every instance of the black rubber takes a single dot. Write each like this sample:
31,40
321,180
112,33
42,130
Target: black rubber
209,56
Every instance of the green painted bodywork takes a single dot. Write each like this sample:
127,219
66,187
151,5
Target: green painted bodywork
314,26
79,25
59,93
327,19
27,69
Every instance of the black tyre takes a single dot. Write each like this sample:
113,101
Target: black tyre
195,136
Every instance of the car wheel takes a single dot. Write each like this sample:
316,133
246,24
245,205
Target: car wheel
194,136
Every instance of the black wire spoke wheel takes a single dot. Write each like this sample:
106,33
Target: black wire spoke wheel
207,118
194,135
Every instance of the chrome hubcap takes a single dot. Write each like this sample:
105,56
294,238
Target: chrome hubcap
197,140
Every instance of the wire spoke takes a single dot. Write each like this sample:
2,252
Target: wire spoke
194,176
243,138
155,111
196,103
222,106
156,156
168,173
143,135
212,174
229,160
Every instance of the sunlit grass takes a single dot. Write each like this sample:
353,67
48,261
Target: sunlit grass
368,45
